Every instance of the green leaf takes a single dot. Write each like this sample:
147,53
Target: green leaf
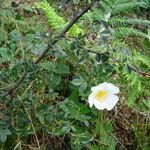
3,135
56,79
62,69
83,87
5,55
94,147
76,1
3,35
77,82
81,83
3,52
15,35
74,96
55,21
66,127
47,65
86,123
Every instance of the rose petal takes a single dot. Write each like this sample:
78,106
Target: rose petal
111,101
109,87
99,105
91,99
96,88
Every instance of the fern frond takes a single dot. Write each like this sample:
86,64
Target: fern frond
116,2
96,14
108,2
123,21
105,7
134,88
112,3
126,31
55,21
126,7
143,59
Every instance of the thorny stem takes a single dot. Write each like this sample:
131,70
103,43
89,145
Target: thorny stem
50,45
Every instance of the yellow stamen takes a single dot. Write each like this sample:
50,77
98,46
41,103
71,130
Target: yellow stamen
100,95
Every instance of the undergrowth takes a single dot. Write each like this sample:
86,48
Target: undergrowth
50,110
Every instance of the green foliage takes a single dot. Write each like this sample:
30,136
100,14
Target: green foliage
3,135
55,21
137,85
119,26
51,104
123,31
123,21
134,89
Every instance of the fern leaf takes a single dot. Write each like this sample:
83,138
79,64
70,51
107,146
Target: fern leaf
96,14
123,21
143,59
134,89
126,31
109,3
112,3
117,2
55,21
105,7
126,7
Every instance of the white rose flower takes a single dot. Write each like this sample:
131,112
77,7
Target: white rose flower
103,96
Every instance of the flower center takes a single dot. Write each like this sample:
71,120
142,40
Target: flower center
100,96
